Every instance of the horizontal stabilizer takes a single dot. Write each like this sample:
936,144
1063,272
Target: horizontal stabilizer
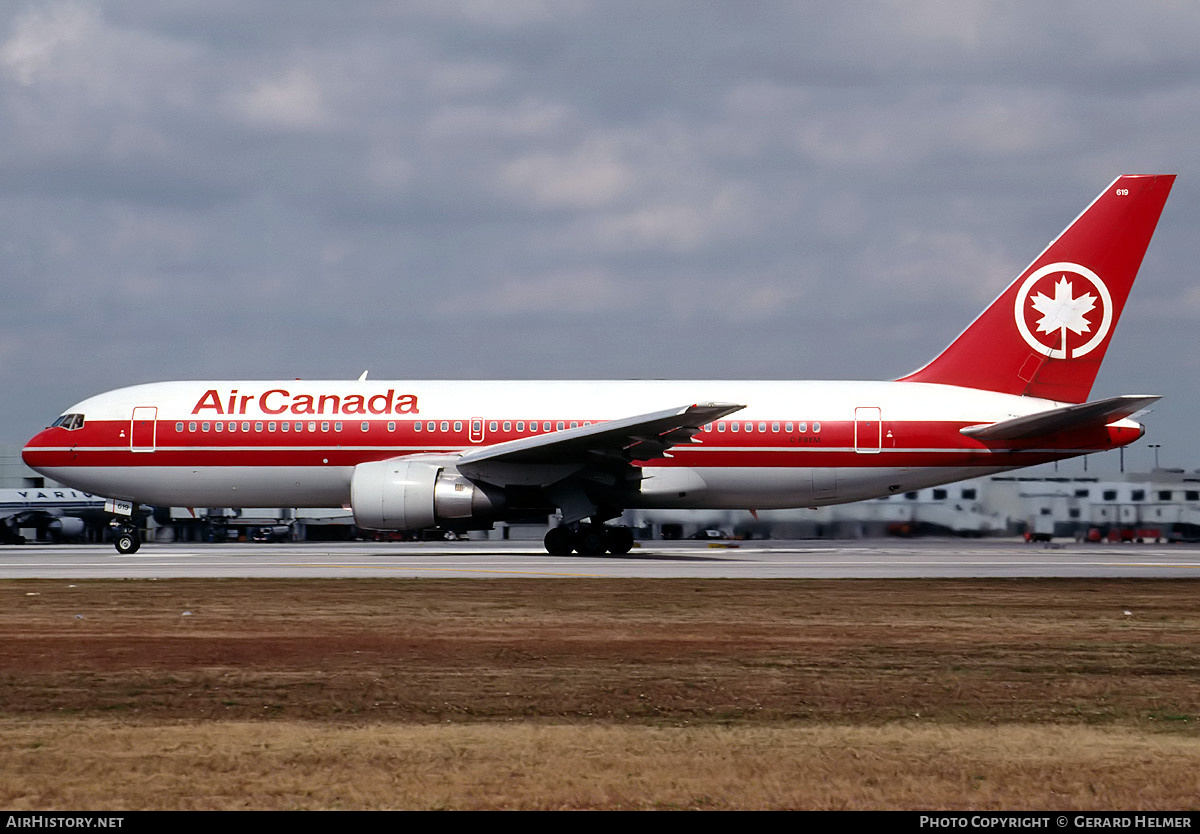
1068,418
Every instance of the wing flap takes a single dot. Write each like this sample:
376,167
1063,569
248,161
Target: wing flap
1067,418
641,437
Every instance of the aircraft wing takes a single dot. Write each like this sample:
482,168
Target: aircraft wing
1067,418
641,437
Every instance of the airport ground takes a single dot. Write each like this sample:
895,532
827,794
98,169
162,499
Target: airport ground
569,692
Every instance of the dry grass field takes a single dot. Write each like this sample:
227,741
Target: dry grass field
921,694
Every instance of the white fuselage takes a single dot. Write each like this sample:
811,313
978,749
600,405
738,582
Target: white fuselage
296,443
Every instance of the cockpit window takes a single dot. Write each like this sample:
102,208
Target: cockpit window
70,422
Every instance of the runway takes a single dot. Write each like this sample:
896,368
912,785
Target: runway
881,558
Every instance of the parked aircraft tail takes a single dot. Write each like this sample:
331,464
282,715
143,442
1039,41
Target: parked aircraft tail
1046,335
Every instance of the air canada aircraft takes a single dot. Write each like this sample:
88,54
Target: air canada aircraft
1011,391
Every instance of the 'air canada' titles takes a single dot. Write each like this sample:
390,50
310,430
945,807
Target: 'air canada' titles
280,401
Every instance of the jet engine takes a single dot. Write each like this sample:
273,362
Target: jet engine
415,493
66,527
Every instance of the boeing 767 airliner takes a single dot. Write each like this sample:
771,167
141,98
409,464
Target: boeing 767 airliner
1010,391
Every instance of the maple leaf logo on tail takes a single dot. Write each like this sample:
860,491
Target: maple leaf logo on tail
1064,312
1073,321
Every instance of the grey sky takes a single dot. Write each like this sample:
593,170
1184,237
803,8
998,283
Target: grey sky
572,189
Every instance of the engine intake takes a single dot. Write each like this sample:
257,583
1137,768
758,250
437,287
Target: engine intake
412,494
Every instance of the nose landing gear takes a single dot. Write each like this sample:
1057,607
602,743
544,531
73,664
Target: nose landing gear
125,537
127,541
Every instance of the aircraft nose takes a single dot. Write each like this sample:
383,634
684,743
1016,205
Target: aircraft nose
31,452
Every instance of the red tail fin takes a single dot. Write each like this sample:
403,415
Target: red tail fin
1046,335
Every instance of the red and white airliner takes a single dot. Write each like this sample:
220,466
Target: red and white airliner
1010,391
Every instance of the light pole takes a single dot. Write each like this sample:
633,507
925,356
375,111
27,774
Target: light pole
1155,447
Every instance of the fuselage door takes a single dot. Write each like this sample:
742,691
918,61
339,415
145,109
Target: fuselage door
141,428
476,430
868,429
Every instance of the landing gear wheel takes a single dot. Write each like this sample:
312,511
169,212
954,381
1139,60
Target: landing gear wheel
619,540
559,541
127,542
592,540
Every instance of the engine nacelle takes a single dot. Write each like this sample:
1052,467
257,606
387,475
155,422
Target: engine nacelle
412,494
66,527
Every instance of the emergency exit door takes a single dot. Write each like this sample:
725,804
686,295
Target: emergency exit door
868,429
141,428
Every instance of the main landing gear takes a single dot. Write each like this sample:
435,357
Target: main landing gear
589,540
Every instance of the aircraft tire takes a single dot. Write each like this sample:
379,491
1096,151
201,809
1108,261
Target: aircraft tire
127,543
592,540
619,540
559,541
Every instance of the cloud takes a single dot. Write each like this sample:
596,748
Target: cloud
50,44
587,177
489,187
570,293
290,101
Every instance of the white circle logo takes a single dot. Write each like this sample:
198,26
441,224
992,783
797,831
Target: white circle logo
1069,314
